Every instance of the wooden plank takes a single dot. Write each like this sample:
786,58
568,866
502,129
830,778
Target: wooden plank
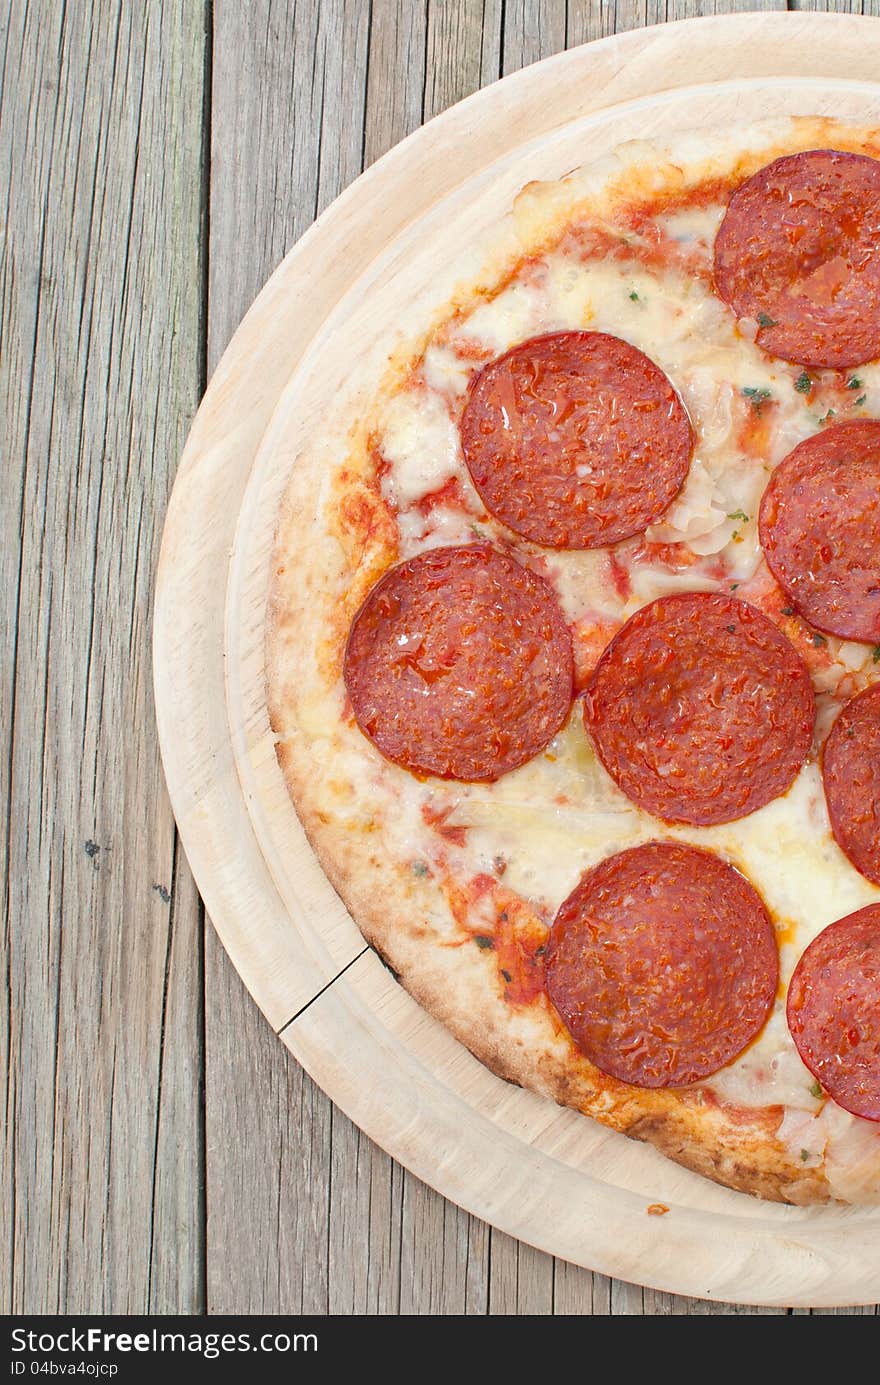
287,136
869,7
444,1260
267,1193
364,1223
100,164
589,21
373,1278
533,29
578,1292
521,1280
396,74
463,51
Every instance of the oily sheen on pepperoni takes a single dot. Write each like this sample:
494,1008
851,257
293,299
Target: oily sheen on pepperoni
799,251
459,664
575,439
700,709
833,1011
820,529
662,964
851,775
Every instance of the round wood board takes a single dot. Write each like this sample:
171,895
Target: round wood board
543,1174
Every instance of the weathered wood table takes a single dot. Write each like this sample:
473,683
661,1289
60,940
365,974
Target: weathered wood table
162,1152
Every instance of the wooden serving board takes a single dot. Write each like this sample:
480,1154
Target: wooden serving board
546,1175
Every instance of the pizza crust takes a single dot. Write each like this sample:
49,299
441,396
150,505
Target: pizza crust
334,539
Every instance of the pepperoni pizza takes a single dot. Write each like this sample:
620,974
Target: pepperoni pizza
574,655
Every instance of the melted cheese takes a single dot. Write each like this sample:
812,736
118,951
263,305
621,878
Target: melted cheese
444,371
693,225
419,440
515,314
848,1148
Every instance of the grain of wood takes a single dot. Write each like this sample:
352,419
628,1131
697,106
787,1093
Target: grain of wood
521,1280
364,1223
100,164
286,137
463,51
589,21
533,29
444,1252
869,7
395,75
443,1255
333,39
269,1190
578,1293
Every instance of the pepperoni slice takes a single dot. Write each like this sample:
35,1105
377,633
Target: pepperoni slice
459,664
663,964
851,774
820,529
798,251
575,440
834,1011
700,709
